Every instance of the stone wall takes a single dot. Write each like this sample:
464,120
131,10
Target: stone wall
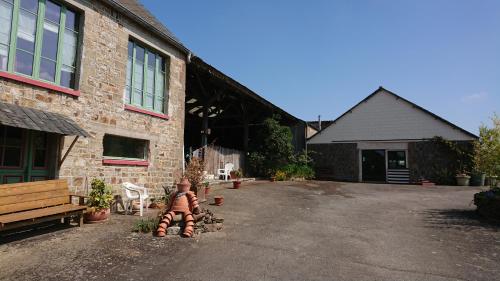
434,161
337,161
100,108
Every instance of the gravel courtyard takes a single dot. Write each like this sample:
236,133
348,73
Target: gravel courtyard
282,231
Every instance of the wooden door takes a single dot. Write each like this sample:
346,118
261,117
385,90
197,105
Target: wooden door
373,165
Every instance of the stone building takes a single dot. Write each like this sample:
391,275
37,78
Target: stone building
386,138
109,68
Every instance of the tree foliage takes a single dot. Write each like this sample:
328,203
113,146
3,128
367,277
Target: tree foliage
487,149
275,149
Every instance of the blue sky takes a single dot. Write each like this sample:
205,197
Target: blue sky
322,57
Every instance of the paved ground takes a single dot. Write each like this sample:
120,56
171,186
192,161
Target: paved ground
283,231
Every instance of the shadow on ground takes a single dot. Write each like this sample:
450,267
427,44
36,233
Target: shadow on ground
462,219
34,231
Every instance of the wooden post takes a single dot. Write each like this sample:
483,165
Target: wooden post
67,151
204,135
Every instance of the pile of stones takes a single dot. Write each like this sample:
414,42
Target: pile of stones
205,222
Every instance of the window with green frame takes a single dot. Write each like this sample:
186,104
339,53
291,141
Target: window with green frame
146,85
39,38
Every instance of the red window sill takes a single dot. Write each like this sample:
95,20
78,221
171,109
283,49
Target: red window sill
147,112
40,84
121,162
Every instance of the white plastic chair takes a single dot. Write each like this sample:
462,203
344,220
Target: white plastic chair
134,192
226,171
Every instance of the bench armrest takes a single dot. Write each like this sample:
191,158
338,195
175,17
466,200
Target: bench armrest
81,198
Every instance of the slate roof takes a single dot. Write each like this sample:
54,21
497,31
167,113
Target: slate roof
34,119
135,10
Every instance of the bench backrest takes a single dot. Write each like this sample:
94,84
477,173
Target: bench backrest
25,196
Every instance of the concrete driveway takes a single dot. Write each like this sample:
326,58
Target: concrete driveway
283,231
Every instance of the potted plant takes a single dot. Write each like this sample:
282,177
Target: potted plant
99,202
207,187
462,179
237,175
157,203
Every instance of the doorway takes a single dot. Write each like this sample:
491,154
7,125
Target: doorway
25,155
373,165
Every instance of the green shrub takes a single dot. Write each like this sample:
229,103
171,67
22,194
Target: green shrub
280,175
146,225
488,202
100,197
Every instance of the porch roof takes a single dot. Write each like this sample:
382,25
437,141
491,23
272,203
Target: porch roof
39,120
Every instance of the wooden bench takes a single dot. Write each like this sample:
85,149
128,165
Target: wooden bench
22,204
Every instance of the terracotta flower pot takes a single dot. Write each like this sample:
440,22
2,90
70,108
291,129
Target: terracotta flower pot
97,216
207,190
272,179
155,205
236,184
219,200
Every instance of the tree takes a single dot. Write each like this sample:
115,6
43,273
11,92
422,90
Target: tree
487,149
275,150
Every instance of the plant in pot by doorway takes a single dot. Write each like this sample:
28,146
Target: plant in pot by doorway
99,202
462,179
237,176
207,188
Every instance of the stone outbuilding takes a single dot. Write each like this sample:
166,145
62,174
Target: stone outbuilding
386,138
110,68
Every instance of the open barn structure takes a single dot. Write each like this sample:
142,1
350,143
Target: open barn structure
220,111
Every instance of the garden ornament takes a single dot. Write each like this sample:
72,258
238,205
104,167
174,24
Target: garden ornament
183,202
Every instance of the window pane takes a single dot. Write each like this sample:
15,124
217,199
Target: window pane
47,70
24,62
396,159
159,102
39,159
52,11
30,5
130,49
26,31
5,22
138,81
149,101
151,80
13,136
129,81
67,76
69,48
50,37
40,149
160,85
123,147
4,56
12,157
139,54
71,20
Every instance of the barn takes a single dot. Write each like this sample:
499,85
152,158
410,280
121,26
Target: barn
386,138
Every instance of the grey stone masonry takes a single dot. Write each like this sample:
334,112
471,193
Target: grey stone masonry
337,161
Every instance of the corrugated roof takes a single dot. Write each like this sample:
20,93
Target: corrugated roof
135,10
39,120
